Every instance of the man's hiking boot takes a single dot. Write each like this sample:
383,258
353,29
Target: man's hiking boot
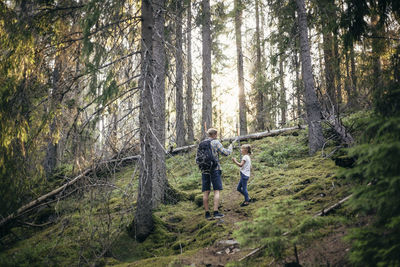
208,216
244,204
218,215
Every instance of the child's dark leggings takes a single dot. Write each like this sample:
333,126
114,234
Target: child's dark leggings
242,186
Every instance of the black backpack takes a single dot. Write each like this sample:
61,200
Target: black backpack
205,158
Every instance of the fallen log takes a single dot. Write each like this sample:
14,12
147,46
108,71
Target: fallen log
243,137
264,134
35,202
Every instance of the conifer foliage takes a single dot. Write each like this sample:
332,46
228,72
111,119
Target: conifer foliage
377,173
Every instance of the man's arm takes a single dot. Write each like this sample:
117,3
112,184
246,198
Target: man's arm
224,151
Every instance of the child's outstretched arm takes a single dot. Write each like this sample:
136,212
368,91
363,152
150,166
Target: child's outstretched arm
240,164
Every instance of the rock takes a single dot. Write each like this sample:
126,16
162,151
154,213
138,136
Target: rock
344,161
235,250
227,243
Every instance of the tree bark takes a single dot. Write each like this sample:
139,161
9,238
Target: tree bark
189,91
206,68
330,48
299,88
377,49
354,92
338,75
55,98
283,103
259,94
329,68
347,84
315,136
242,97
160,183
143,222
179,109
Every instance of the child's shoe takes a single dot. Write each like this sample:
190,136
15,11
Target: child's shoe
244,204
218,215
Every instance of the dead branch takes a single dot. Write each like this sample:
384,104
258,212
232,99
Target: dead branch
252,253
37,225
334,206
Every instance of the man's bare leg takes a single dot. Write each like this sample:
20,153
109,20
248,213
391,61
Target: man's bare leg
216,200
205,200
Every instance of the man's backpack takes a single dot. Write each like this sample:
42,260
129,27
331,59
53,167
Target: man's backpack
205,158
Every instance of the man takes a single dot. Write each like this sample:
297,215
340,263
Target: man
214,177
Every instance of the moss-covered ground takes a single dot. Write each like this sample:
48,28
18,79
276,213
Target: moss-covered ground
288,186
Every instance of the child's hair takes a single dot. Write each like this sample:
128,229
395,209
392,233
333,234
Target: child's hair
247,147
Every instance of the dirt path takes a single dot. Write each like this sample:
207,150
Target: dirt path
227,249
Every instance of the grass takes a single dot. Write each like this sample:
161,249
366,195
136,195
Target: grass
91,227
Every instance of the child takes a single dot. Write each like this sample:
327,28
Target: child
245,166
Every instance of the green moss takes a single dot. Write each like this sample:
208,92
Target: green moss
199,200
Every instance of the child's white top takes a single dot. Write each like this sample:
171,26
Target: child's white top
245,169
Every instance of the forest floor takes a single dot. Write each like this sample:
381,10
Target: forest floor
289,187
227,249
331,250
283,174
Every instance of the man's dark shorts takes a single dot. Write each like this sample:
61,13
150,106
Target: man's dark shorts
214,178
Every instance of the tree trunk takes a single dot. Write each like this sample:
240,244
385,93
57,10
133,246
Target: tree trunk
55,98
327,14
298,84
351,80
206,68
259,94
143,222
242,97
283,103
189,92
160,183
329,68
377,49
338,76
315,136
353,76
180,125
347,84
